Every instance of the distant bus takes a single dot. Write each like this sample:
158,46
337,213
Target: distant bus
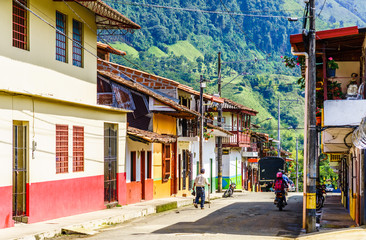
268,168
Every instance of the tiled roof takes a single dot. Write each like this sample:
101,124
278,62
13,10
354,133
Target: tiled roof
110,49
141,88
230,104
209,125
151,136
107,17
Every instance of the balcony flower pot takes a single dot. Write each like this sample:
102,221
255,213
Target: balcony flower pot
318,120
331,72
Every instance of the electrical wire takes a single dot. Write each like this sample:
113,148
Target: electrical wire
237,13
322,8
103,40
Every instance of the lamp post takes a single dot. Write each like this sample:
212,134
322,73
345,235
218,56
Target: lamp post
297,161
202,86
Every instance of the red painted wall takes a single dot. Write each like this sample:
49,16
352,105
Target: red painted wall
55,199
6,215
121,188
149,187
133,192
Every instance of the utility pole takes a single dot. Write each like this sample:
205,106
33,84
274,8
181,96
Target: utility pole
297,165
278,128
219,139
310,223
201,122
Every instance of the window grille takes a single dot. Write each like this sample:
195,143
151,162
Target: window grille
61,38
77,36
62,149
20,25
78,149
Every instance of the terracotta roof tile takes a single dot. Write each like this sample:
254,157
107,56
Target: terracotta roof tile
151,136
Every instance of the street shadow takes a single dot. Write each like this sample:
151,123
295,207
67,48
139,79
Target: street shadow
246,218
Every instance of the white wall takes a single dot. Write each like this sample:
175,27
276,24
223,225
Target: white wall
42,117
208,153
36,70
138,147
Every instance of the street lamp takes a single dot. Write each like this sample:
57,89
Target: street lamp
202,86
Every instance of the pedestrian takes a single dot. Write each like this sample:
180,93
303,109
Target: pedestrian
200,183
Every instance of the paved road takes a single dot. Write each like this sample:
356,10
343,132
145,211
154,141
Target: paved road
244,216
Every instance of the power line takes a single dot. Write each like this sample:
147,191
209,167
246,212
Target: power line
199,10
322,8
103,40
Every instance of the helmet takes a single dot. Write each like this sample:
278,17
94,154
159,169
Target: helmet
279,175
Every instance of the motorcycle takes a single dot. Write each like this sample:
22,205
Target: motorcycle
280,201
320,197
229,192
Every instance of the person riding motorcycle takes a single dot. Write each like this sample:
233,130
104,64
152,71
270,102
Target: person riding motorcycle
280,185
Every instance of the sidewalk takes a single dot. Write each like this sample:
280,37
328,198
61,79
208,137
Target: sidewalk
335,215
88,222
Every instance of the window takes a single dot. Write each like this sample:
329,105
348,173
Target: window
166,162
62,149
148,160
61,38
20,25
78,149
77,51
133,166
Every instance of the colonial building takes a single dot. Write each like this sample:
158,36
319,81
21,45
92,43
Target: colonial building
57,145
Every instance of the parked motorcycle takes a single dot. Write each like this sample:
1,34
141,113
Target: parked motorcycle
280,201
320,197
229,192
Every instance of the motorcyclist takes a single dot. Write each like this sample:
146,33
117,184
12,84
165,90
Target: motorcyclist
280,185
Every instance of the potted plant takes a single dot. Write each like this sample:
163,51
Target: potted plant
334,90
331,67
207,133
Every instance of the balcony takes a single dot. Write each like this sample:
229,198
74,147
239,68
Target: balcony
239,139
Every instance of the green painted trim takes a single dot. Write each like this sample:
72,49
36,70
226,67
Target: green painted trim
158,179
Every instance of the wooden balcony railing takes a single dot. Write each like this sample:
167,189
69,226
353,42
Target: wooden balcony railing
239,139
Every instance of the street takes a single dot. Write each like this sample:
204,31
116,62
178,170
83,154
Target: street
244,216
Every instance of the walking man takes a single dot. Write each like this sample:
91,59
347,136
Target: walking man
200,183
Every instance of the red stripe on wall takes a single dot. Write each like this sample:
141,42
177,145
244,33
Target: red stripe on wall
134,193
121,188
6,216
55,199
149,187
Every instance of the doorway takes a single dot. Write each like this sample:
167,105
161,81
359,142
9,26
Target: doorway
20,153
110,163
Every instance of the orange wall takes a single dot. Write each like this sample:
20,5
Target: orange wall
164,124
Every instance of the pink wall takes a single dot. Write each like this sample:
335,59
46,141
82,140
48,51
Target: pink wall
133,192
149,186
6,215
121,188
55,199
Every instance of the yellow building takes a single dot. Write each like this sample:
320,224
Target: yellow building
58,147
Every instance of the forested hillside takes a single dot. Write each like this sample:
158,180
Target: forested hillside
183,43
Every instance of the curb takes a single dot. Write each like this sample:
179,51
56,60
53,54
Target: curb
100,223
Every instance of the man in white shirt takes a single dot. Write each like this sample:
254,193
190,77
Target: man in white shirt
200,183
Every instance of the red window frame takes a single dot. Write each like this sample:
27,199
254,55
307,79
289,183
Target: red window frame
62,148
166,161
77,49
133,166
78,149
20,25
61,43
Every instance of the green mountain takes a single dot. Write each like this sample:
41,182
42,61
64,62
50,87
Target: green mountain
179,41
